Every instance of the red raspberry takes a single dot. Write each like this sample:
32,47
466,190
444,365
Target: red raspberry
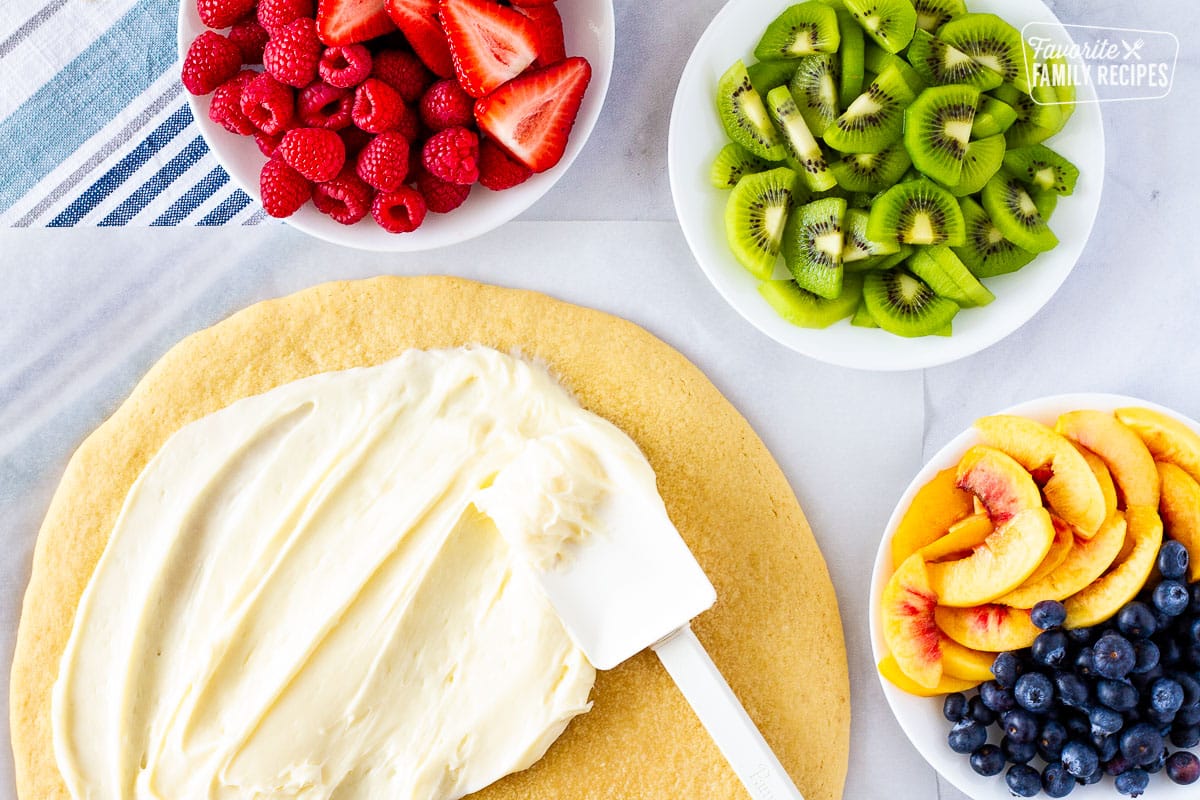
345,66
267,143
497,171
210,61
315,153
273,14
383,163
226,107
293,52
222,13
447,105
377,106
400,211
283,189
251,38
452,155
323,106
409,125
441,196
269,104
403,71
345,198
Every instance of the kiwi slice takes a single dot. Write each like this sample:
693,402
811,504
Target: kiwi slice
992,117
803,147
859,251
949,277
916,212
991,42
876,117
1011,207
801,30
814,87
1046,202
940,64
807,310
851,59
937,127
933,14
1038,118
745,117
889,22
903,304
987,252
862,317
877,60
983,160
1064,92
872,172
755,216
812,246
733,162
895,259
1042,168
766,75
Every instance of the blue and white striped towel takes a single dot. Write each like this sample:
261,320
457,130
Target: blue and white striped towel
94,126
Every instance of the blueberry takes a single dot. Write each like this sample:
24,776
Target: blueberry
1194,629
1133,782
1006,668
1170,652
996,697
1023,780
987,760
1081,636
1072,689
1159,718
1173,560
1171,598
1113,656
1157,764
1117,695
1185,735
1183,768
1146,656
1107,746
1141,680
1019,725
1051,739
1017,752
1105,721
1191,688
1188,716
1056,781
1050,649
1166,696
1117,764
1048,614
1034,692
977,711
1080,759
1084,664
1136,620
954,707
966,736
1142,743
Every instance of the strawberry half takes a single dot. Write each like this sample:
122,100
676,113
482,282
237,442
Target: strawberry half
531,116
490,43
417,20
549,28
349,21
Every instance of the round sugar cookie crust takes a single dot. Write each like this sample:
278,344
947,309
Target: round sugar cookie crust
775,631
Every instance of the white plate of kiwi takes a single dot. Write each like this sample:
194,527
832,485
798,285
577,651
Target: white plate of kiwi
875,183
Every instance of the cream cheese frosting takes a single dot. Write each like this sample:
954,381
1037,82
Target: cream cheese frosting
326,591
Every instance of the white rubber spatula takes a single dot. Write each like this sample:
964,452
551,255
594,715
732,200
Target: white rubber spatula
632,584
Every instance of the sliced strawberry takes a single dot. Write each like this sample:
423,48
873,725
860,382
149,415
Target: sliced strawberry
531,116
418,21
349,21
549,28
490,43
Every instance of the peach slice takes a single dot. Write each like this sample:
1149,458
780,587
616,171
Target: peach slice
1071,489
1003,486
1104,597
1086,562
1167,438
1002,563
908,627
936,506
1103,477
965,663
889,669
961,540
1060,548
1120,449
991,628
1180,509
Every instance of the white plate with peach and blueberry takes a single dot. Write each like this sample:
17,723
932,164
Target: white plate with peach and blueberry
1035,602
400,125
876,183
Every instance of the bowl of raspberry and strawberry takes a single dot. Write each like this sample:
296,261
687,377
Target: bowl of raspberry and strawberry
396,124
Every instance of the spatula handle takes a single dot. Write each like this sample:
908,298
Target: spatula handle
723,716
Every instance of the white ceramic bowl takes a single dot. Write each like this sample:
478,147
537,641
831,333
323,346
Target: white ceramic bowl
921,718
696,135
589,30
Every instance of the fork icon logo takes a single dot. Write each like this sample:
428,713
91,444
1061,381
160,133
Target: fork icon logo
1132,50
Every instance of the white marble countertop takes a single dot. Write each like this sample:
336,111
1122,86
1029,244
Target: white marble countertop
86,312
